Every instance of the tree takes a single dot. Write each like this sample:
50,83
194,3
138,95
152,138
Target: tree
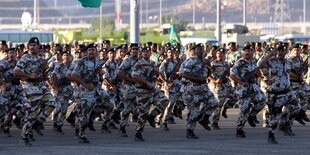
180,24
108,24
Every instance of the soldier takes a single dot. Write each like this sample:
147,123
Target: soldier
251,98
63,90
85,73
194,77
167,73
40,103
145,75
281,100
300,88
128,87
232,55
219,83
258,55
12,92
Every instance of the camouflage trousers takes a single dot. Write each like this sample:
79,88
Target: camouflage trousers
86,103
302,92
281,108
172,97
38,108
251,102
193,100
221,94
145,99
63,97
129,97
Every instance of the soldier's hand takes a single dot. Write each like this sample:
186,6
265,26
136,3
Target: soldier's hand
273,52
150,85
170,84
89,86
112,88
245,84
33,76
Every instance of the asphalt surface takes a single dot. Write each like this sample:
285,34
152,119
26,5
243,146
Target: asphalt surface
162,142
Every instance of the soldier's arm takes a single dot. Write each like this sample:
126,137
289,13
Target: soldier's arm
123,75
235,76
193,78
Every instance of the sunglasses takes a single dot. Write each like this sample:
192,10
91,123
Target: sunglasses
135,49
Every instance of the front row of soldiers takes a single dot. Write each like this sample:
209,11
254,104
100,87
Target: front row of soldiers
113,89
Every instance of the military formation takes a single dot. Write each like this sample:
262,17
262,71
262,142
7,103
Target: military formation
152,83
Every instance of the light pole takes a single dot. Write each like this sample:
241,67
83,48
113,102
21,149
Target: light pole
305,28
244,12
134,21
218,22
100,20
194,12
160,12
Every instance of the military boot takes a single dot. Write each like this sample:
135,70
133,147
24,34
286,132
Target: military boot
304,116
299,119
164,127
240,133
271,138
112,126
138,137
83,140
171,120
104,129
215,126
151,120
204,121
190,134
38,126
71,119
224,112
122,131
17,122
251,121
25,142
30,137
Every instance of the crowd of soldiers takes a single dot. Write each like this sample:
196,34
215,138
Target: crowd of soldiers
152,83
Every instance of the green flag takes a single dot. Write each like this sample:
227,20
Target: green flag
90,3
174,36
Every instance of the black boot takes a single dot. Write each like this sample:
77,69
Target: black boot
122,131
171,120
138,137
251,121
57,128
90,124
116,117
38,126
299,119
304,116
112,126
271,138
30,137
7,132
240,133
285,129
177,112
104,129
255,119
224,112
164,126
204,121
134,117
151,120
17,122
77,131
83,140
71,119
25,142
190,134
215,126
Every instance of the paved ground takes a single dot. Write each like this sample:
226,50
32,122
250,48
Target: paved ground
162,142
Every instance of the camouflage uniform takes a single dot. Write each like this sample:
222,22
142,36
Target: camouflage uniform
129,90
147,97
64,94
196,93
251,99
168,70
300,88
220,91
40,102
86,69
282,102
14,94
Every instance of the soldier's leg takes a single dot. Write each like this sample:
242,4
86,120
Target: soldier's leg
50,105
245,107
129,102
84,107
31,114
192,103
210,103
220,94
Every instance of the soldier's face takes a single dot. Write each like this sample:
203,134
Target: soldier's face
295,52
258,48
33,47
219,55
65,58
92,52
111,55
176,54
248,54
78,56
135,51
170,54
84,54
102,55
281,53
12,55
146,54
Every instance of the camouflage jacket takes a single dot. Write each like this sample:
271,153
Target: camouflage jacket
86,69
7,72
218,70
127,66
145,69
168,69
